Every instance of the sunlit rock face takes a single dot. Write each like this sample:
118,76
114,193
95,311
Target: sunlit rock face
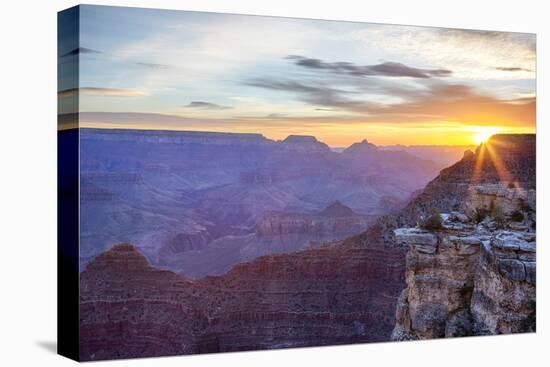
470,278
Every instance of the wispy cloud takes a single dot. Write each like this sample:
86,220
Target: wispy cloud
389,69
151,65
460,103
431,102
503,68
275,115
469,54
207,106
490,38
95,91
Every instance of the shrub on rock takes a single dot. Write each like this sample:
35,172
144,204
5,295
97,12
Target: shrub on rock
432,221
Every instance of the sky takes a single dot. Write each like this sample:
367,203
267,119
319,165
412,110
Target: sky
339,81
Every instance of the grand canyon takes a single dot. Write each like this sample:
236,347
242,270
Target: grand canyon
233,182
306,279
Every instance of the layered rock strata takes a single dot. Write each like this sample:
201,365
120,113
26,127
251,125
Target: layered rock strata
470,278
336,294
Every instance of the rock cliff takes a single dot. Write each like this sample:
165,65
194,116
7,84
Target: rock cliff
475,275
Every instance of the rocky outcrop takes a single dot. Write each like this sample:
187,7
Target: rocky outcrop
363,147
504,296
470,278
504,196
304,144
130,309
503,160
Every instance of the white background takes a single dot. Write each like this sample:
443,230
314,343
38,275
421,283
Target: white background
28,182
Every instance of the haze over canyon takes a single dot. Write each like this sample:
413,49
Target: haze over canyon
198,203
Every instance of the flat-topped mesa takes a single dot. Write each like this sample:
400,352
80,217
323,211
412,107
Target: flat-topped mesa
304,143
471,276
513,142
173,136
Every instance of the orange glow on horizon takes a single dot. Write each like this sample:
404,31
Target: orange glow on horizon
344,134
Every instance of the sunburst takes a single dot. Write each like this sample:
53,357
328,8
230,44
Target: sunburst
482,136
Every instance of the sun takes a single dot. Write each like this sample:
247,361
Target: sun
482,137
482,134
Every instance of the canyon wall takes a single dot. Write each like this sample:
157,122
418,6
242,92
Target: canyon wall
336,294
467,278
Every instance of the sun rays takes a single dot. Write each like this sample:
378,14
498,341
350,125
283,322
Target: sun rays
481,137
489,148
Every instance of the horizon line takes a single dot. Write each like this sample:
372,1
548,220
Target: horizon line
68,127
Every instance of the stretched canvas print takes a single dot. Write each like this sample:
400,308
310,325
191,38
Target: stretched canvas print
234,182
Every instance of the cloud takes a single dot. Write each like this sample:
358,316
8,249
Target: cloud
429,101
275,115
316,94
95,91
151,65
469,54
502,68
81,50
293,86
490,38
460,103
207,106
389,69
